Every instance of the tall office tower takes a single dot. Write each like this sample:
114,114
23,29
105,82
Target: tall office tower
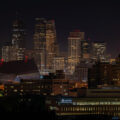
51,45
74,49
18,38
40,43
98,51
18,34
16,50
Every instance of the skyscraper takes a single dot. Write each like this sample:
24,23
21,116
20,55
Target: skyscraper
40,43
16,50
74,49
18,34
19,38
45,44
51,45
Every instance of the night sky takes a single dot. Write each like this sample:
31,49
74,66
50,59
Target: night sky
99,20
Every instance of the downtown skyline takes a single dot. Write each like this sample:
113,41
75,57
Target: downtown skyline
99,20
60,58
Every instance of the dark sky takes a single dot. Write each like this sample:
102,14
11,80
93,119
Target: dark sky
99,20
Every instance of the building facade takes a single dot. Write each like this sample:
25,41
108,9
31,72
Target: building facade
104,74
59,63
74,49
16,50
18,34
12,53
99,51
99,75
51,47
40,43
45,45
44,85
85,106
81,72
9,53
85,51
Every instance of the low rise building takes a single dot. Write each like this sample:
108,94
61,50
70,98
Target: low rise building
94,103
44,85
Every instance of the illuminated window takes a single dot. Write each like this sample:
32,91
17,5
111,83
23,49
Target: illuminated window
21,90
12,86
15,90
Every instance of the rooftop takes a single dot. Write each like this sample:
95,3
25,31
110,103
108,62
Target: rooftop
18,67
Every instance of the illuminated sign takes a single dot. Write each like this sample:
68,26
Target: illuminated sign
67,101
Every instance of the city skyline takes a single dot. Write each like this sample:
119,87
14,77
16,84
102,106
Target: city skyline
60,58
99,20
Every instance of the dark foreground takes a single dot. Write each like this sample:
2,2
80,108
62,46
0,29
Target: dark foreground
34,103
